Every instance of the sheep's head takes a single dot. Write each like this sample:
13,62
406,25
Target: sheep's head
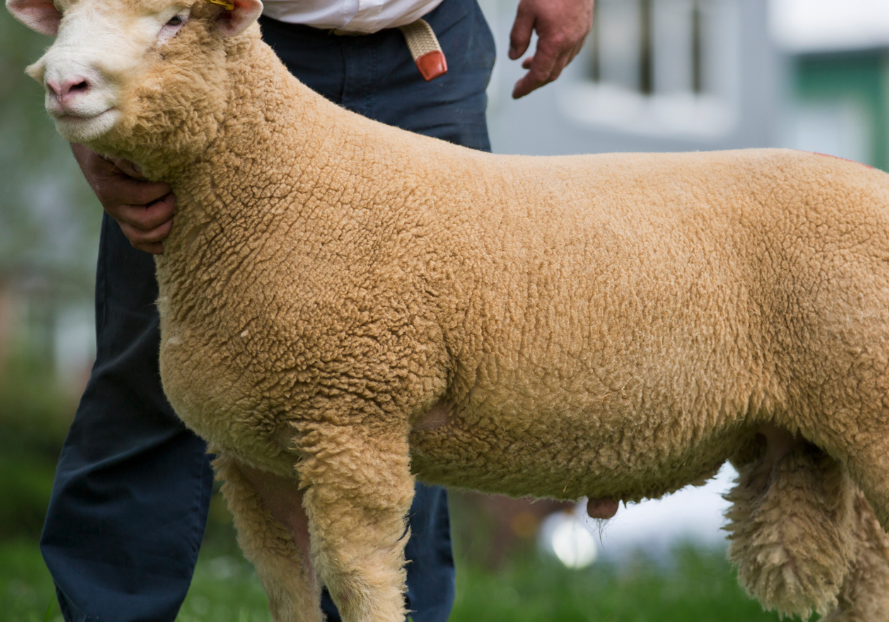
130,77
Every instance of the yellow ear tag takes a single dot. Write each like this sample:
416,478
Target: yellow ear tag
228,5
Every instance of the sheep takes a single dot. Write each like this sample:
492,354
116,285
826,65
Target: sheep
346,306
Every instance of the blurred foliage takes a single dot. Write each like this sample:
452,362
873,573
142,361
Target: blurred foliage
26,589
49,219
34,411
34,416
49,225
485,539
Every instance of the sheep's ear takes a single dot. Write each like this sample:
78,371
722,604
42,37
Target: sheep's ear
237,16
39,15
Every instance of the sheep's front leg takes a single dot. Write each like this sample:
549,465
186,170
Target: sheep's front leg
272,534
358,492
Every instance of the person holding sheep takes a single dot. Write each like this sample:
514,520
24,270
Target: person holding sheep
347,307
132,489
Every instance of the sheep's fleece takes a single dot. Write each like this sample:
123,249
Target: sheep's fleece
345,306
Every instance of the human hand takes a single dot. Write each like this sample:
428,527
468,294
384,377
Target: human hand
561,25
143,209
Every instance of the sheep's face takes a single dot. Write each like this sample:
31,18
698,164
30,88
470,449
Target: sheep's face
122,69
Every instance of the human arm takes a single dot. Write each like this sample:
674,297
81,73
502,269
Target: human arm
561,26
143,209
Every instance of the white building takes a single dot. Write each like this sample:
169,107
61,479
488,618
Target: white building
654,75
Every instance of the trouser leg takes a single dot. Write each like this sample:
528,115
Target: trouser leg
132,488
375,76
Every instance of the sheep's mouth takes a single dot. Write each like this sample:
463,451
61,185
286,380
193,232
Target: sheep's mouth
69,116
79,127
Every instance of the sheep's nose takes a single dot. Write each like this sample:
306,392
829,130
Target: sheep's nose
68,89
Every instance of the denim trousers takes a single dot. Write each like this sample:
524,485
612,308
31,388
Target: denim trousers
133,485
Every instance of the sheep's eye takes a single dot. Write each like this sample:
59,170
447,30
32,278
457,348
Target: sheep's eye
175,21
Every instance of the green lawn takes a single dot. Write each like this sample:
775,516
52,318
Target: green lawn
26,590
699,587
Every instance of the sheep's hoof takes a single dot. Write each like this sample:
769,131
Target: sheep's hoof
790,531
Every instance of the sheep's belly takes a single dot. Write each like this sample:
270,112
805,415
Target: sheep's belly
567,463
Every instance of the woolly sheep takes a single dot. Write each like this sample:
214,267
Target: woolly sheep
344,305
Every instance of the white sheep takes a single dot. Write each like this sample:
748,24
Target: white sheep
345,305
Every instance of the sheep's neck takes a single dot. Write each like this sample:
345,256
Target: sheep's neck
270,121
280,143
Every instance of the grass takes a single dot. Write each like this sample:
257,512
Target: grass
26,589
34,416
700,586
225,589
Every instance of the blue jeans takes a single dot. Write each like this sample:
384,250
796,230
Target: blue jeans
132,488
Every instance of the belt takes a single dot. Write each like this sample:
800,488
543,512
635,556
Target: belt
424,47
421,41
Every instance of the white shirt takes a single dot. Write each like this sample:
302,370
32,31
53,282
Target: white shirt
364,16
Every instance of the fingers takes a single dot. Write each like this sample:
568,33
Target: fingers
154,249
117,190
127,167
146,226
545,66
116,182
561,26
520,35
145,217
143,209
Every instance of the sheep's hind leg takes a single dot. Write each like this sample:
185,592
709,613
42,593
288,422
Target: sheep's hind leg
358,492
281,557
791,526
864,596
868,463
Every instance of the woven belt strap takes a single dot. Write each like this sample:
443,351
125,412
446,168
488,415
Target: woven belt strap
421,41
424,47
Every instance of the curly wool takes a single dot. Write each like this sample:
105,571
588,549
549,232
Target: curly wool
864,596
794,562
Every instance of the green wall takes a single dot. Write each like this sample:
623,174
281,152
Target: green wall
859,77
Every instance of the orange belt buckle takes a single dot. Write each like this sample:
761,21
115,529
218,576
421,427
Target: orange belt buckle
424,47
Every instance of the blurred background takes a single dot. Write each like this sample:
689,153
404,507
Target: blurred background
655,75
